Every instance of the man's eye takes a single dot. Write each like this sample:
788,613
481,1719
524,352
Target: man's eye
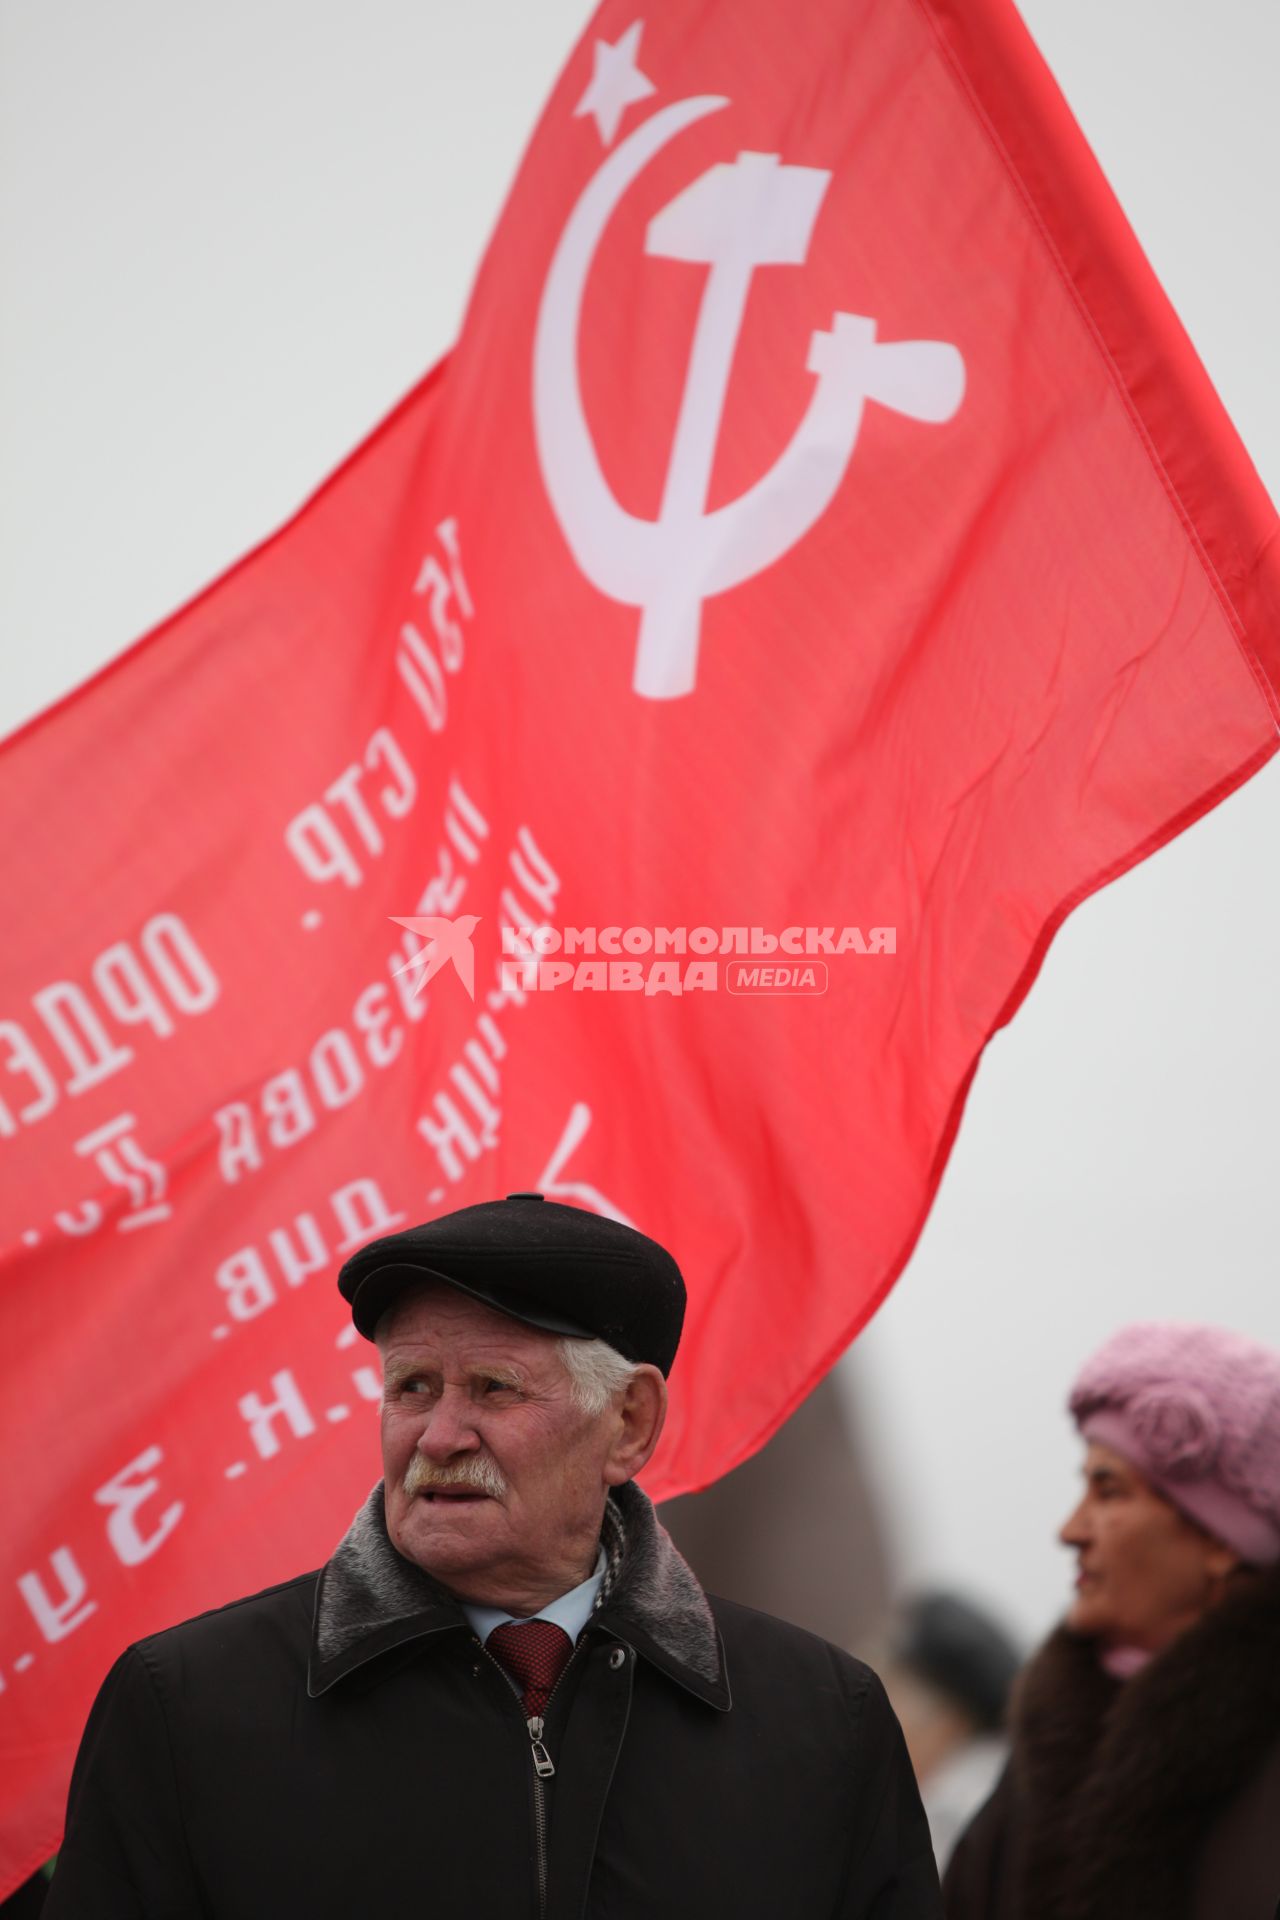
498,1386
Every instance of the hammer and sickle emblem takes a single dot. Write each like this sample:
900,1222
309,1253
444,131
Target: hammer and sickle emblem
734,218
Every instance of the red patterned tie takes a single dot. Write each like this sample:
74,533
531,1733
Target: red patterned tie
535,1653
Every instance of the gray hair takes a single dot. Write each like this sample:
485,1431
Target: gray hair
597,1372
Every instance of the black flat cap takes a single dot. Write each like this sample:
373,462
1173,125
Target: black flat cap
551,1266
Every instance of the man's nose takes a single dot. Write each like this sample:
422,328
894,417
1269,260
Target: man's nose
450,1427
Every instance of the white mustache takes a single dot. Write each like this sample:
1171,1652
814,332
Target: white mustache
474,1471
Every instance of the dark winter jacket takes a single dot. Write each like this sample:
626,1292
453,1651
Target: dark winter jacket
1155,1798
343,1746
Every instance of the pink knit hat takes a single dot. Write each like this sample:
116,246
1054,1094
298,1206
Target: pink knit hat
1197,1411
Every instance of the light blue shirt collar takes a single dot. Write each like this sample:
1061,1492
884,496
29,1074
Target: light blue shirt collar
571,1611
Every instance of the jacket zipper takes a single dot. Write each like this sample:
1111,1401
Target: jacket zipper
543,1769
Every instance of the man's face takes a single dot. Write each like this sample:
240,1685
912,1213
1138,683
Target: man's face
1145,1572
495,1479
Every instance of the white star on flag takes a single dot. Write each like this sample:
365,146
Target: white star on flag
616,82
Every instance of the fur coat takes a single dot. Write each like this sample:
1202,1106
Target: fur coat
1154,1798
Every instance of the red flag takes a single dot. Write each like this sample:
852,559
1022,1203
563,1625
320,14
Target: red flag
822,563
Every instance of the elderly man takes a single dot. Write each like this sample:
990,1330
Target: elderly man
505,1694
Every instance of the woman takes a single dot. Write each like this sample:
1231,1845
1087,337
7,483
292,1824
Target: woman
1144,1774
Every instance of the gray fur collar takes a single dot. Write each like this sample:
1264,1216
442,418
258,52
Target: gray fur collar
369,1598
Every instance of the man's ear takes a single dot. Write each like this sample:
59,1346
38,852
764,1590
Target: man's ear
640,1412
